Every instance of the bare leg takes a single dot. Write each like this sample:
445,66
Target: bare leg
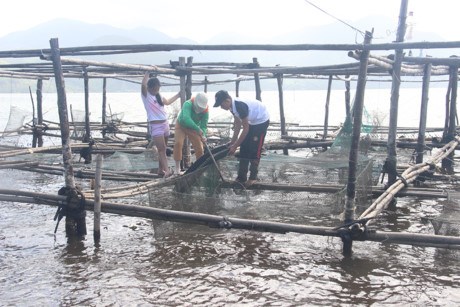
162,160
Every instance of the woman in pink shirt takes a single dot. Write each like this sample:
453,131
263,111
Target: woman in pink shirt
157,118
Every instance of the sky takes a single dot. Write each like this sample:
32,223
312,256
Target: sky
201,20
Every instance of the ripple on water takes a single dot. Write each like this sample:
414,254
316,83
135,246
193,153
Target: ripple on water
142,262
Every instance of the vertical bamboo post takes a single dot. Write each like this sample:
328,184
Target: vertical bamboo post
63,117
356,134
186,151
182,82
237,87
104,100
75,226
97,199
34,121
205,84
188,80
87,123
183,91
257,80
347,97
279,79
395,85
447,163
39,94
326,108
446,119
423,114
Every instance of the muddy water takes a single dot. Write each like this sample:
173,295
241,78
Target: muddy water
146,262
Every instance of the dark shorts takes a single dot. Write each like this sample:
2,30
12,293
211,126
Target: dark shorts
251,148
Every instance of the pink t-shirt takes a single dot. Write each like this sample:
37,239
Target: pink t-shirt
155,111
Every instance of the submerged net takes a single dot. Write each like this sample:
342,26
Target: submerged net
285,180
447,223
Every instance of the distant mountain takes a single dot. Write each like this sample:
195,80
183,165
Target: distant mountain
73,33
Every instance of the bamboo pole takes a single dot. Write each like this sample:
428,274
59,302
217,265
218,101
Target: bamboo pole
25,151
120,49
122,66
75,226
347,97
447,163
279,80
237,86
39,94
353,155
104,100
407,177
185,82
63,117
395,85
205,89
34,120
97,200
447,107
215,221
87,136
257,81
326,107
423,114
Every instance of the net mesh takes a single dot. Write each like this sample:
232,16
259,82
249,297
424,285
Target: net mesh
285,178
447,223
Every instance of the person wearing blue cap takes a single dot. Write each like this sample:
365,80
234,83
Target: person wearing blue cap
251,115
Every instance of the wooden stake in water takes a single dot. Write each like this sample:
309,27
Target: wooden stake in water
97,199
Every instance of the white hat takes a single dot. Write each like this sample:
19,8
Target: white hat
200,103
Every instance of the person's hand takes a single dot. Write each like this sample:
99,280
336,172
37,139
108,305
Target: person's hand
231,150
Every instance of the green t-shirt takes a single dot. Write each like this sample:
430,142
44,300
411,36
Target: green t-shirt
188,118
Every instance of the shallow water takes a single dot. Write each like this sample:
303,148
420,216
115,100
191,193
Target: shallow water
147,262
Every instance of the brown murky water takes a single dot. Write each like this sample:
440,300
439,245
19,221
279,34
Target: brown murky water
146,262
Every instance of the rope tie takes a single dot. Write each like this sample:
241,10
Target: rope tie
387,169
361,222
403,180
86,153
225,223
74,206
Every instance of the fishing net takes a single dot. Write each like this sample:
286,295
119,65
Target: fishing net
15,121
138,162
447,223
10,135
78,120
316,184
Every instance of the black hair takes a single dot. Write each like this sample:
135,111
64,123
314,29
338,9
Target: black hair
220,97
151,84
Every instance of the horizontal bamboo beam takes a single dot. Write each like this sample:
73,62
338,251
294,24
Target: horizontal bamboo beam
223,222
121,49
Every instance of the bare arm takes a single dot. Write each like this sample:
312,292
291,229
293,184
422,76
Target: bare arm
245,124
144,84
236,129
170,100
236,141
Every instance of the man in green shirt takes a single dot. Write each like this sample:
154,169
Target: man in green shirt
192,122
